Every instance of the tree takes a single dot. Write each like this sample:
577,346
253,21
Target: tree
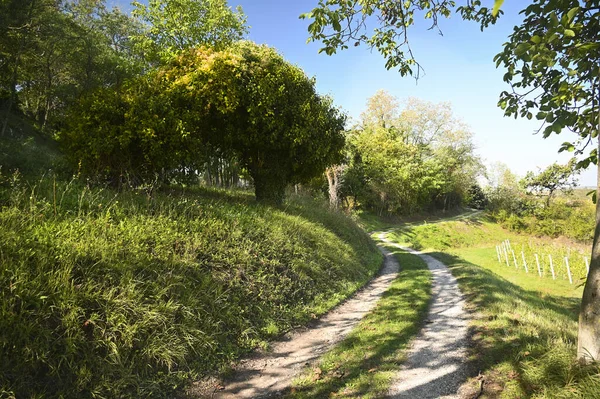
402,161
251,101
382,110
52,51
552,63
554,178
334,175
175,25
503,191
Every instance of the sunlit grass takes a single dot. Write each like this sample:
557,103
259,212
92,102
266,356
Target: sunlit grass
524,331
131,294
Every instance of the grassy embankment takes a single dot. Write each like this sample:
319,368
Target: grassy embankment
364,363
525,327
107,294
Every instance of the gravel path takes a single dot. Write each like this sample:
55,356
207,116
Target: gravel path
436,365
267,374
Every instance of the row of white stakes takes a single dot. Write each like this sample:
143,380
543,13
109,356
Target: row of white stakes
505,247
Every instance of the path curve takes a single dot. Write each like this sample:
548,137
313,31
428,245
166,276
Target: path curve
267,374
436,363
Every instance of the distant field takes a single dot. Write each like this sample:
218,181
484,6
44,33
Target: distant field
525,329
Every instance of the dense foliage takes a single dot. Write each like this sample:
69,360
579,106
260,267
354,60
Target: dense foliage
403,160
52,51
245,100
175,25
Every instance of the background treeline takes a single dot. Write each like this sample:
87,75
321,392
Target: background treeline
543,203
405,158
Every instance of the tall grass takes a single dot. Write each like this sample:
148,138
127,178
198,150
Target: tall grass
133,294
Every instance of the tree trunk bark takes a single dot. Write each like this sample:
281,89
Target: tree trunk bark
269,185
333,179
588,342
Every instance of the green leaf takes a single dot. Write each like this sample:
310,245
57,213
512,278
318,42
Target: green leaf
594,194
566,146
569,33
536,39
497,5
571,14
336,25
522,49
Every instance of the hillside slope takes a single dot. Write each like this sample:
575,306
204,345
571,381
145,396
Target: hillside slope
129,294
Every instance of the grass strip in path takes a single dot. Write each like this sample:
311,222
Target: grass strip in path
436,365
364,364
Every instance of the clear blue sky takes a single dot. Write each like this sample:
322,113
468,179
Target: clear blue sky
458,69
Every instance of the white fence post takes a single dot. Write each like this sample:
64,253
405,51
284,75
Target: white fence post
552,267
524,262
568,270
587,265
537,260
498,253
515,259
506,254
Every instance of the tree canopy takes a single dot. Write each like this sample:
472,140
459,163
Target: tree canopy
554,178
170,26
246,100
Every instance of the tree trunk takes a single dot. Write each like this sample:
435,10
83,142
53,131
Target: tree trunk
13,89
333,174
588,343
269,185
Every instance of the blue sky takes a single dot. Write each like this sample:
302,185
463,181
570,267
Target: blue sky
458,69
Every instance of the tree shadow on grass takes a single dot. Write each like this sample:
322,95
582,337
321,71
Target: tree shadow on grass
533,332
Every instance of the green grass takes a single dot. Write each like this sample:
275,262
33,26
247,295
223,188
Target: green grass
108,294
524,331
481,232
365,362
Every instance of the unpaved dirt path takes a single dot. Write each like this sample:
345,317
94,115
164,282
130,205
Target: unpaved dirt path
436,365
267,374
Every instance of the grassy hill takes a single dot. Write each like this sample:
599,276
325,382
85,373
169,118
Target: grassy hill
127,294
